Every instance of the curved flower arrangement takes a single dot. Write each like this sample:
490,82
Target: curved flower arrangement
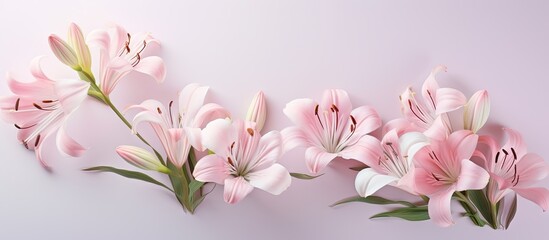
428,152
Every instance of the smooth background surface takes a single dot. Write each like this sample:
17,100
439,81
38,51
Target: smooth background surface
289,49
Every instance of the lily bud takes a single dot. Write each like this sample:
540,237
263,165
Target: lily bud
141,158
476,111
78,43
257,111
63,52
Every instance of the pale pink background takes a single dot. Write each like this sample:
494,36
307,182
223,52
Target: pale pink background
289,49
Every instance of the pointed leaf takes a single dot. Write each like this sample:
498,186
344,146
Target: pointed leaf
483,205
373,200
128,174
303,176
408,213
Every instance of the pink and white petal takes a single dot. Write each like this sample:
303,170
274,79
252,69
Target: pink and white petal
71,93
367,120
317,159
218,135
274,179
302,113
449,99
438,130
407,182
38,153
439,207
152,66
410,143
36,70
150,117
471,176
336,97
425,183
514,140
464,143
531,168
118,36
30,89
209,112
537,195
191,99
293,137
194,135
368,181
430,86
115,70
367,150
401,125
211,168
68,145
236,189
493,148
269,150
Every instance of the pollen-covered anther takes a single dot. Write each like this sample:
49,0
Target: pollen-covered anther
250,131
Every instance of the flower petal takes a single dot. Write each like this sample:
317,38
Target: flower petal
425,183
152,66
539,196
211,168
115,70
68,145
293,137
302,113
268,151
430,87
531,168
336,97
464,143
236,189
438,129
471,176
71,93
476,111
317,159
367,150
449,99
218,135
368,181
274,179
209,112
367,120
439,207
191,99
514,140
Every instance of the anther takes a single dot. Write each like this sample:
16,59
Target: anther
159,111
353,119
37,106
17,104
47,101
514,153
250,131
37,140
335,108
230,161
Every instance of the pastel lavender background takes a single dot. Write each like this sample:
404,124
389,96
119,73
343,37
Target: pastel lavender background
289,49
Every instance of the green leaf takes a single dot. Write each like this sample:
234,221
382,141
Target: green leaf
128,174
408,213
303,176
483,205
193,187
373,200
511,213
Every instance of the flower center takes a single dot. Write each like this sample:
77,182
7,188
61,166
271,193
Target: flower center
506,165
134,57
331,129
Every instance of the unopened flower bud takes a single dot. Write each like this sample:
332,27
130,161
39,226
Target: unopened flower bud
63,52
78,43
257,111
141,158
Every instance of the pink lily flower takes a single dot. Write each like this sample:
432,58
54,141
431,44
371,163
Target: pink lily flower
331,129
513,169
178,133
393,166
430,113
443,167
42,107
122,53
243,159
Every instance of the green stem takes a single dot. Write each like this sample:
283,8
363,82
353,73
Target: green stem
494,216
470,209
